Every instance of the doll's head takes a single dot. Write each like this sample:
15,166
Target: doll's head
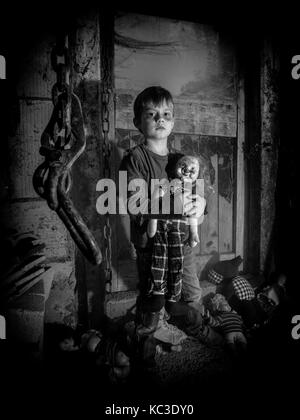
60,338
217,303
106,352
278,278
275,291
187,168
90,340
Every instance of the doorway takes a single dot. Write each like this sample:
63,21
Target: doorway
200,68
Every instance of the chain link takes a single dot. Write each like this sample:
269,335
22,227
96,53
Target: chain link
62,142
60,60
106,150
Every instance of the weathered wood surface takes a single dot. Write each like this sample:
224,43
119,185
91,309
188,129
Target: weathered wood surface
24,147
35,216
86,73
37,77
226,203
85,43
189,59
209,237
269,146
240,171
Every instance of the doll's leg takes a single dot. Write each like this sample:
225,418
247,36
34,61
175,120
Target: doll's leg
241,342
231,344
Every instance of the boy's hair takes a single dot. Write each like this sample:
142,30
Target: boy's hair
155,94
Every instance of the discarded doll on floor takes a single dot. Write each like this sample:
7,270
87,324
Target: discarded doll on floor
256,305
89,351
220,315
238,291
107,354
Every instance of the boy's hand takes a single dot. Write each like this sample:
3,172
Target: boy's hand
193,204
159,191
193,239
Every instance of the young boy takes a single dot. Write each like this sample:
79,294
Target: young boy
154,118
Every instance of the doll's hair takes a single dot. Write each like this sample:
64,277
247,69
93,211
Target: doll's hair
212,301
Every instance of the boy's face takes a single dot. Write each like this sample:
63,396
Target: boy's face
157,121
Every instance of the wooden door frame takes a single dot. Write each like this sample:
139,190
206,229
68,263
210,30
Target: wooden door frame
240,169
250,62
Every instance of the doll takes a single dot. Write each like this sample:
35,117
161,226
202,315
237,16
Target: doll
107,353
186,170
237,290
221,315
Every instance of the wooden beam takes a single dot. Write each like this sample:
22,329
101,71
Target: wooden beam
240,170
252,158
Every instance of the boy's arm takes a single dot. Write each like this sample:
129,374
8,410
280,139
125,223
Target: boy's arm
131,166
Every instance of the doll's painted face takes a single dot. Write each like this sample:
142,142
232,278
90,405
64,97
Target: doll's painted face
281,280
187,168
68,344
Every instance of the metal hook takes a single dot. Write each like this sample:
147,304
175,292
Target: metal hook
52,179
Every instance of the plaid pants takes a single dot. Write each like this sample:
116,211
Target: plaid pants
167,258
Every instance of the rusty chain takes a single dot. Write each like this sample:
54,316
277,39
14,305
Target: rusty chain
60,60
62,142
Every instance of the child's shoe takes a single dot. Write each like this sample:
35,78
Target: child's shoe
149,322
